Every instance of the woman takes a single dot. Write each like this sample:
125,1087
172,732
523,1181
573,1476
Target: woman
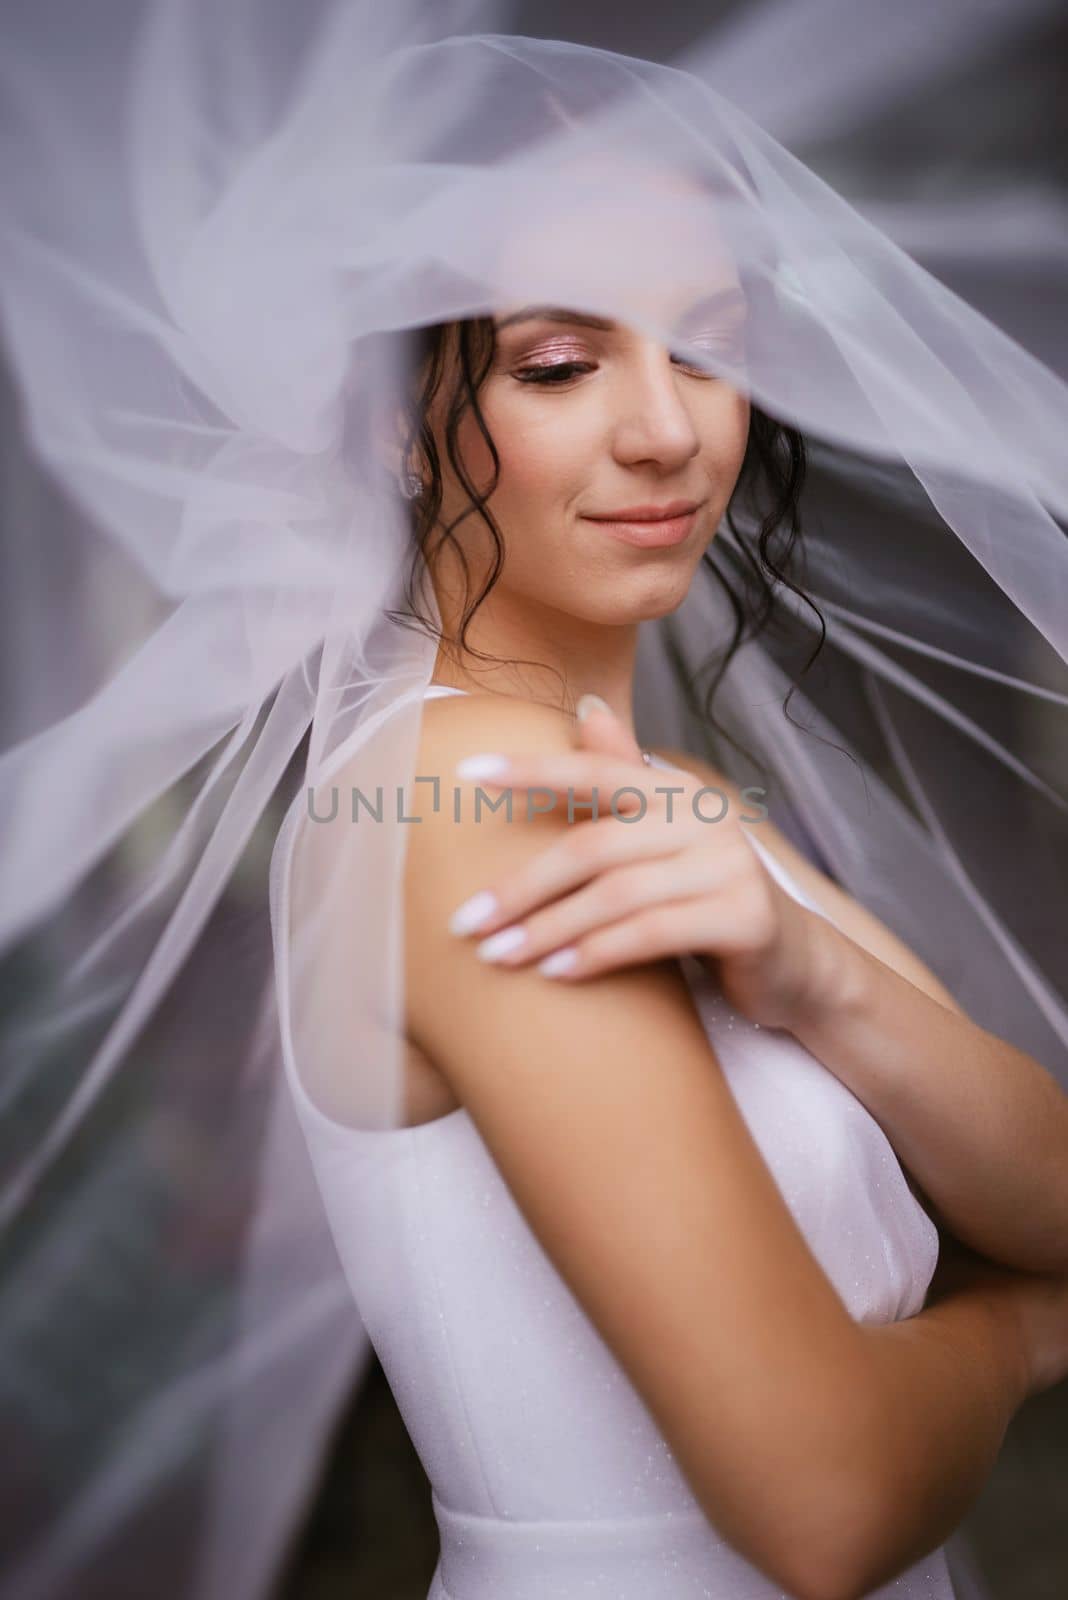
635,1156
209,362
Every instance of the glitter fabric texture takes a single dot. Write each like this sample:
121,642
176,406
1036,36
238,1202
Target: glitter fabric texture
549,1476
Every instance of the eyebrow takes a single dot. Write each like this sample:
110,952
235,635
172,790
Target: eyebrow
730,298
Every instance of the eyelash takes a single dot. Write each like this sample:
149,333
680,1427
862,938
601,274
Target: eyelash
547,372
537,374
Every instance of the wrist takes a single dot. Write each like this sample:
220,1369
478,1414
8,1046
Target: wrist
988,1328
1037,1305
1010,1305
839,985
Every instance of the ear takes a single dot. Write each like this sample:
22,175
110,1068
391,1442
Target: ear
388,437
392,441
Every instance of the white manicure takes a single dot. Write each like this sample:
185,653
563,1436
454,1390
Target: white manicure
501,944
482,766
559,961
473,913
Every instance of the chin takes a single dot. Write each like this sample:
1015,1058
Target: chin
656,595
657,591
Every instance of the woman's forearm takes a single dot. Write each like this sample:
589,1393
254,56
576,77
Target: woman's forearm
982,1126
943,1387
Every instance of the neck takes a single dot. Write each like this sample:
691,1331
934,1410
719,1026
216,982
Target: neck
537,652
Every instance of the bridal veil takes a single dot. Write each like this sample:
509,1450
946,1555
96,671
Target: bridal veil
223,223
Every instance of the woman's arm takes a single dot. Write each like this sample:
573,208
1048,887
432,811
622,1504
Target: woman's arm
946,1384
981,1125
606,1112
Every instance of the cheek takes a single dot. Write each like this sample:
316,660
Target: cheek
725,432
543,451
732,427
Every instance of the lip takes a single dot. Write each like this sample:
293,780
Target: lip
646,513
651,526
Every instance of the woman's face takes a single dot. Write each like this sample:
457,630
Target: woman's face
591,418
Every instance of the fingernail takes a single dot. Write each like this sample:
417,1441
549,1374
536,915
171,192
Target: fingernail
482,766
501,944
473,913
591,702
559,961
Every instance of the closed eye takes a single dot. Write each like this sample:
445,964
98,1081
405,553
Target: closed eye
557,373
554,372
728,343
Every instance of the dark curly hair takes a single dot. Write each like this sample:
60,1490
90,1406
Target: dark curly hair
770,481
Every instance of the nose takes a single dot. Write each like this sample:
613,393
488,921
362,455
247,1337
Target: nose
654,422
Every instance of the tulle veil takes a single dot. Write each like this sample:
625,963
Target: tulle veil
222,221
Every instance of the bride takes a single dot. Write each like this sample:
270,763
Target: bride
630,1175
620,593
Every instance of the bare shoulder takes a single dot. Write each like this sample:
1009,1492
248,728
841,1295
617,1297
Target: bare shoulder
465,835
452,722
855,920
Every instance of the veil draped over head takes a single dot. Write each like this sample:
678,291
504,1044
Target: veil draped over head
224,222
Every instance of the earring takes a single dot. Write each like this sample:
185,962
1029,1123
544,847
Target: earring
411,484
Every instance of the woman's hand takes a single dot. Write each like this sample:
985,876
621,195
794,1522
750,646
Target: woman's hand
1037,1302
615,893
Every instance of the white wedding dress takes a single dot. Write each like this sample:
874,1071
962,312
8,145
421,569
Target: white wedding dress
550,1479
